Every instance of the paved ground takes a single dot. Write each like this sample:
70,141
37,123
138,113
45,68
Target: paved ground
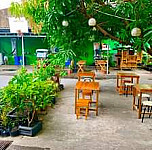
116,127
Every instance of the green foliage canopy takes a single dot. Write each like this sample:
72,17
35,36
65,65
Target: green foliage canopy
113,21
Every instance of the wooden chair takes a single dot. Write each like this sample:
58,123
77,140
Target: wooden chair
82,105
124,81
87,93
132,61
124,56
128,88
81,64
139,57
101,65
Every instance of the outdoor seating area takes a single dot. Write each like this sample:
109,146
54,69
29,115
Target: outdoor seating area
127,83
75,75
95,105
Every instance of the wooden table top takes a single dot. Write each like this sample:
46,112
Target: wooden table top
101,62
82,62
127,74
88,74
87,85
144,87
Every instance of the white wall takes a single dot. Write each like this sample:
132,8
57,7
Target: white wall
6,3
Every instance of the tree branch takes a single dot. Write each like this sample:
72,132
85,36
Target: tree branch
108,34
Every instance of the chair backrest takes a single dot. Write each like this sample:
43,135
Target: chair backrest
124,55
132,58
139,57
87,80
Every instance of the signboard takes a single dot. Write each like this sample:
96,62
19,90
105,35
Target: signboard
18,25
41,53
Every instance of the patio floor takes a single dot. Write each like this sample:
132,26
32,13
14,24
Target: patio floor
116,126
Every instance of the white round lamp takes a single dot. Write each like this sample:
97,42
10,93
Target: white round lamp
92,22
65,23
136,32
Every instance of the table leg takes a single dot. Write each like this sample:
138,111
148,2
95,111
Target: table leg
97,96
139,111
138,80
76,95
117,81
134,98
120,88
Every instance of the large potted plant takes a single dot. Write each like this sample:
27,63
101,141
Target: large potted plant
28,93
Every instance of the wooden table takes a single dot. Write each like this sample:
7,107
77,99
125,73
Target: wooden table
139,89
101,64
94,86
121,76
81,64
86,74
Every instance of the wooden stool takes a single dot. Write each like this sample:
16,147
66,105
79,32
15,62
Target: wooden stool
128,88
143,96
146,104
82,104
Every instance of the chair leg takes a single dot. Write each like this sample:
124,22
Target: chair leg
127,91
124,90
131,89
150,112
86,114
143,115
148,109
91,97
78,112
138,104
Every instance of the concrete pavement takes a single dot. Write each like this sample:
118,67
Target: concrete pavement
116,127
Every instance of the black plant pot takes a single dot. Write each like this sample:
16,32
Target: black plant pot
30,131
149,67
54,100
5,133
61,87
14,132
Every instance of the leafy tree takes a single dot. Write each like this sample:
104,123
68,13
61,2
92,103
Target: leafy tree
114,20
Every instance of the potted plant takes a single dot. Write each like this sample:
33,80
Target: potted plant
149,66
4,118
38,96
27,93
13,128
